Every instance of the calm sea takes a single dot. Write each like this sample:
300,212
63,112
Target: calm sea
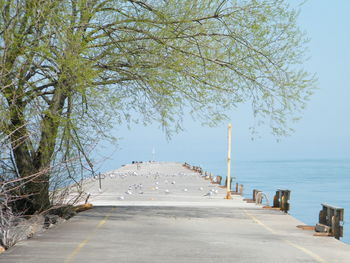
311,182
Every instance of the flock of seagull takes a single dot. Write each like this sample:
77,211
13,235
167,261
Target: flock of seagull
138,189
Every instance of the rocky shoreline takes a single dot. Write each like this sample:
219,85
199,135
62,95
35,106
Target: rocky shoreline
25,227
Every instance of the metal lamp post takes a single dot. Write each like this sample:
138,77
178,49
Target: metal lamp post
228,178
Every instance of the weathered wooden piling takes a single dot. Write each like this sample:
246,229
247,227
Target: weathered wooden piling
256,198
218,179
225,186
241,189
330,219
281,199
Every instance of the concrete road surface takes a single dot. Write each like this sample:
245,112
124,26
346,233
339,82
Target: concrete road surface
181,226
177,234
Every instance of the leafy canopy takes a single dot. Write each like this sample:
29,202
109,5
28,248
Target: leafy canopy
70,69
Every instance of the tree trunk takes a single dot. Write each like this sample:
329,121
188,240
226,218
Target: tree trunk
35,190
35,167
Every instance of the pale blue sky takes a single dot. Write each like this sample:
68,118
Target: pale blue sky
323,132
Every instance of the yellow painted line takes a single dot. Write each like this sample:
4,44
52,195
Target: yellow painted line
260,223
76,250
305,250
82,244
102,222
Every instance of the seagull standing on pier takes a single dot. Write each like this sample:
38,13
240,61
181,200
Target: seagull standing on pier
209,194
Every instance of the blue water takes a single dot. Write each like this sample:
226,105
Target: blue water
311,182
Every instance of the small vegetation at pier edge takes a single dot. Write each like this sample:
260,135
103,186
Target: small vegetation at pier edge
71,69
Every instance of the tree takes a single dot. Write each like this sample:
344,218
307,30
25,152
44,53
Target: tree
70,69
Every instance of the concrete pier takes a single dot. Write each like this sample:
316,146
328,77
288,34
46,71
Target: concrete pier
163,212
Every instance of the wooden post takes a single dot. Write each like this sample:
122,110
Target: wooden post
241,189
276,201
99,181
228,185
330,221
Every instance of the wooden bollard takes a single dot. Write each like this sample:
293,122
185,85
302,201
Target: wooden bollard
284,204
239,190
285,196
281,199
241,187
255,193
225,186
276,201
212,178
256,197
330,218
227,182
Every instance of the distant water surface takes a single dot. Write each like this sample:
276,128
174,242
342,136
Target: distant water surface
311,182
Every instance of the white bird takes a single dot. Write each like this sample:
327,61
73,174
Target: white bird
157,183
128,192
185,190
200,188
156,188
121,197
213,192
166,191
